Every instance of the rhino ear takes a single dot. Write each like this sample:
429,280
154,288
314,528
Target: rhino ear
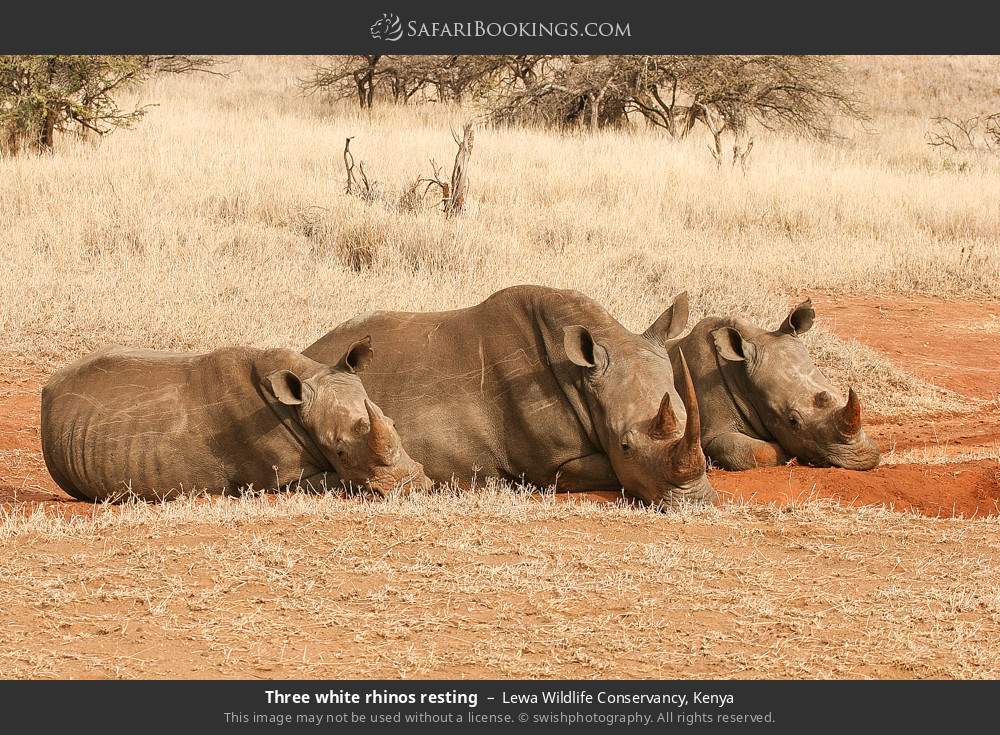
358,356
799,320
287,387
581,349
671,322
731,346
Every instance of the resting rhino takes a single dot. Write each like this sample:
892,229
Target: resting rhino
763,401
539,385
158,424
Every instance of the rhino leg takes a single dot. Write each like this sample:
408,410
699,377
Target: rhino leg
734,451
592,472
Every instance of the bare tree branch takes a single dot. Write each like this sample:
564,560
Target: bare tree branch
980,133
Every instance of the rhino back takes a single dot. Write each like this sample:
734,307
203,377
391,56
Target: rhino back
154,423
471,390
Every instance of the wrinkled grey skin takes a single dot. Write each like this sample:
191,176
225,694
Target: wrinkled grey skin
155,425
763,400
535,384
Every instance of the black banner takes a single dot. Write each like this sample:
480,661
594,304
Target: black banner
492,706
518,26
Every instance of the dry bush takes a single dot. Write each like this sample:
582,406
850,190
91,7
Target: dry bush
42,95
358,183
902,92
452,193
455,190
980,133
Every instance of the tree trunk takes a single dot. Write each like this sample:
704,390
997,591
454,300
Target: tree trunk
47,128
360,82
595,112
459,175
11,144
365,81
45,138
370,89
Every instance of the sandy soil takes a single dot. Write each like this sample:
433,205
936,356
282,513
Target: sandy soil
498,587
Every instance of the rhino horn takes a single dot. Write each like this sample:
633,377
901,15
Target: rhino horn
381,436
665,423
692,430
848,418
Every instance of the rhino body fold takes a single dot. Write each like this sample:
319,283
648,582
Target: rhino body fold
537,385
154,425
763,401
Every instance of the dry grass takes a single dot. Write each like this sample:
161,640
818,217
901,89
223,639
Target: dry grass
221,218
496,584
940,455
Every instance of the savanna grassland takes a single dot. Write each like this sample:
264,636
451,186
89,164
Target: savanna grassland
221,218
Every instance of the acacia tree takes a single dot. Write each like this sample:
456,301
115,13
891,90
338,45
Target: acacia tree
43,95
400,78
346,76
585,90
803,93
724,93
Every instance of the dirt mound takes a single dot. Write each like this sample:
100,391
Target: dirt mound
968,489
964,489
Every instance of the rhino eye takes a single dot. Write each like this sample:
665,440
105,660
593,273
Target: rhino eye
340,449
795,420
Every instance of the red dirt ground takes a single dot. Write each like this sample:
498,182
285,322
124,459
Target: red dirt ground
968,489
951,344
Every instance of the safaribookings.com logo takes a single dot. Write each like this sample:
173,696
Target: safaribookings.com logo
390,28
387,28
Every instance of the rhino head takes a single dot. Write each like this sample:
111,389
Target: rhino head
797,405
352,432
649,426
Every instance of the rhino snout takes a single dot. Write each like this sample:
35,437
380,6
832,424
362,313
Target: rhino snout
419,482
862,454
699,492
403,482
